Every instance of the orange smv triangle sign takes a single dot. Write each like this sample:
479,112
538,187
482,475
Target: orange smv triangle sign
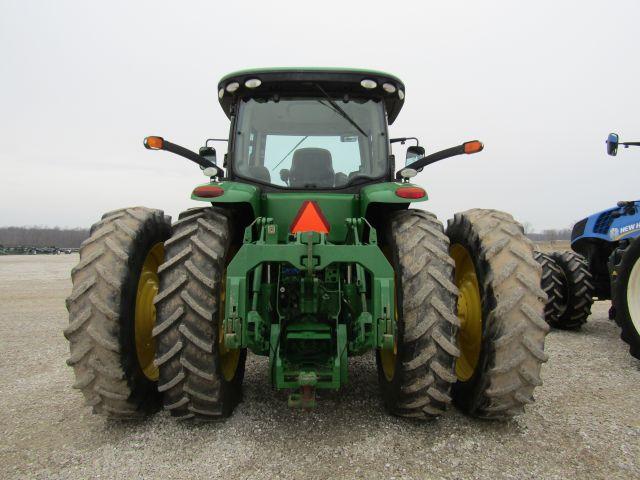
310,219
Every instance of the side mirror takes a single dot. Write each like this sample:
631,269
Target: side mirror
284,175
209,153
414,153
612,144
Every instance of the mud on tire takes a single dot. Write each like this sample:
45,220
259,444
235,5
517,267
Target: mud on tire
427,323
513,326
101,308
186,331
578,290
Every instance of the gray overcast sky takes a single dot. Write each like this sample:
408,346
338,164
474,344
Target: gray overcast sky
540,83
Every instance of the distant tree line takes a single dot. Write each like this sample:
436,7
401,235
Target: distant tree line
550,235
42,237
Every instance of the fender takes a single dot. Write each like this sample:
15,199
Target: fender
234,192
386,193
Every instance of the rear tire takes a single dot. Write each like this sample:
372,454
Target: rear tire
553,284
624,264
189,312
578,290
506,370
418,381
102,311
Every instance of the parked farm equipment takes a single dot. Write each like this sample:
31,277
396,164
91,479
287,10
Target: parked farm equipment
604,263
31,250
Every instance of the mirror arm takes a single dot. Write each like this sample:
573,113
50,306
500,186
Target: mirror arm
633,144
193,156
206,143
433,158
404,139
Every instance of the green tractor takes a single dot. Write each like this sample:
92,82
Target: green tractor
306,251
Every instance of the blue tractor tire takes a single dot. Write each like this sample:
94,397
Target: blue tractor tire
578,290
553,283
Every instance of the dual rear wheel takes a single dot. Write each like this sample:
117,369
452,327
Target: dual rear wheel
569,286
487,358
570,289
145,316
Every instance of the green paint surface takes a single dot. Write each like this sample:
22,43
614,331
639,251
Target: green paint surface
385,193
234,192
283,208
308,303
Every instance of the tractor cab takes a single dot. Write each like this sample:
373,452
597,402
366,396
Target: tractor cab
310,129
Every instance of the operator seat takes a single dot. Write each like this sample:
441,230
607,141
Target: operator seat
311,166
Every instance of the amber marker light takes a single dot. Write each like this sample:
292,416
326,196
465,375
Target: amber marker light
410,192
474,146
208,191
153,143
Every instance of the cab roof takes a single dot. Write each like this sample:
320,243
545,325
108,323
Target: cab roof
337,82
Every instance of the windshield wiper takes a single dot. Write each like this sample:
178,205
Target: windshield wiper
340,111
284,158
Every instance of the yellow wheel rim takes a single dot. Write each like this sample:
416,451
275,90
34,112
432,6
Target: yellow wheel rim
145,318
388,357
229,358
469,312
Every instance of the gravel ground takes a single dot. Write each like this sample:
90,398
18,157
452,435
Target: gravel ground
585,423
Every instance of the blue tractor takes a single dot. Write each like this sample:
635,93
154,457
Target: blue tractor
604,263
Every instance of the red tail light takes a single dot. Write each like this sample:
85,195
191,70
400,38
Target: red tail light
208,191
410,192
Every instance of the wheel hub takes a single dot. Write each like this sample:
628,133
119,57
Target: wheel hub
229,358
145,316
388,360
388,357
469,313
